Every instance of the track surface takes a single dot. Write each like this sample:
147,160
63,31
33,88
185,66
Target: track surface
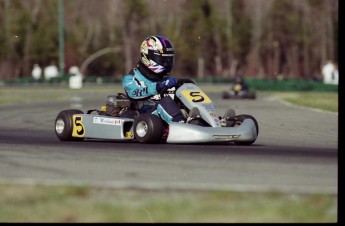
296,151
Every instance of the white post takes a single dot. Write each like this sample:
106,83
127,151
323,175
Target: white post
76,80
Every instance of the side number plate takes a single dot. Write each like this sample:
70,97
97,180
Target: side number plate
78,128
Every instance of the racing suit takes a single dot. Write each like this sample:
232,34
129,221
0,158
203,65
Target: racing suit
143,91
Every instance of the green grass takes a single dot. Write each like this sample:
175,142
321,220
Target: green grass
327,101
40,203
10,95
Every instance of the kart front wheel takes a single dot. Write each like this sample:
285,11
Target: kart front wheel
64,125
238,120
148,128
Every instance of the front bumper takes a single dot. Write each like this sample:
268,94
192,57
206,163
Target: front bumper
188,133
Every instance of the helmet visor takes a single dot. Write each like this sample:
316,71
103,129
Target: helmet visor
165,60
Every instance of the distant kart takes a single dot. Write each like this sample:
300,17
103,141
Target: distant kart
120,120
236,92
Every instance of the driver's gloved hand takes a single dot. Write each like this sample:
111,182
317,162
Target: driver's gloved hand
169,83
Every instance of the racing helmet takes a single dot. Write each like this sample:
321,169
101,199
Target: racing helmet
238,79
157,54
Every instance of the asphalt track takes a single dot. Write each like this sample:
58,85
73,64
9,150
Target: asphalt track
296,151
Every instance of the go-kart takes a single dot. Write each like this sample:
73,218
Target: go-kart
120,120
236,91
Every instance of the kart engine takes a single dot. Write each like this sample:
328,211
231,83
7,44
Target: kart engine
115,104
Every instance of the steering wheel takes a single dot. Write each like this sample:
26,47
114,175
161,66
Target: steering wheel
180,82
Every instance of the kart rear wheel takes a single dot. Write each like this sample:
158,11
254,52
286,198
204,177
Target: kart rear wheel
226,95
238,120
64,125
148,128
251,95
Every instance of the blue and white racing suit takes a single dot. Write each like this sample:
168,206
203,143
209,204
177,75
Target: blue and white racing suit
144,92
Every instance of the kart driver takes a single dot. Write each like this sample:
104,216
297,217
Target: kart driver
144,83
240,84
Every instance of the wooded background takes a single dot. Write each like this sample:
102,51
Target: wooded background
257,38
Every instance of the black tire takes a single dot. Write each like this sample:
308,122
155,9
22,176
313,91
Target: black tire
225,95
64,125
238,121
148,128
251,96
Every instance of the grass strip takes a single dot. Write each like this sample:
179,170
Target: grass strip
327,101
42,203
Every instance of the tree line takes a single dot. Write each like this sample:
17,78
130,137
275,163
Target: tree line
258,38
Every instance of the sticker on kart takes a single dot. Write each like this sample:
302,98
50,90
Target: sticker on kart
196,96
107,121
78,127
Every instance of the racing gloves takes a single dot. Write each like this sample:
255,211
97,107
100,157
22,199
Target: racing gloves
169,83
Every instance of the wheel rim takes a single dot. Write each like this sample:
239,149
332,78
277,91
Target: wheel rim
141,129
59,126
